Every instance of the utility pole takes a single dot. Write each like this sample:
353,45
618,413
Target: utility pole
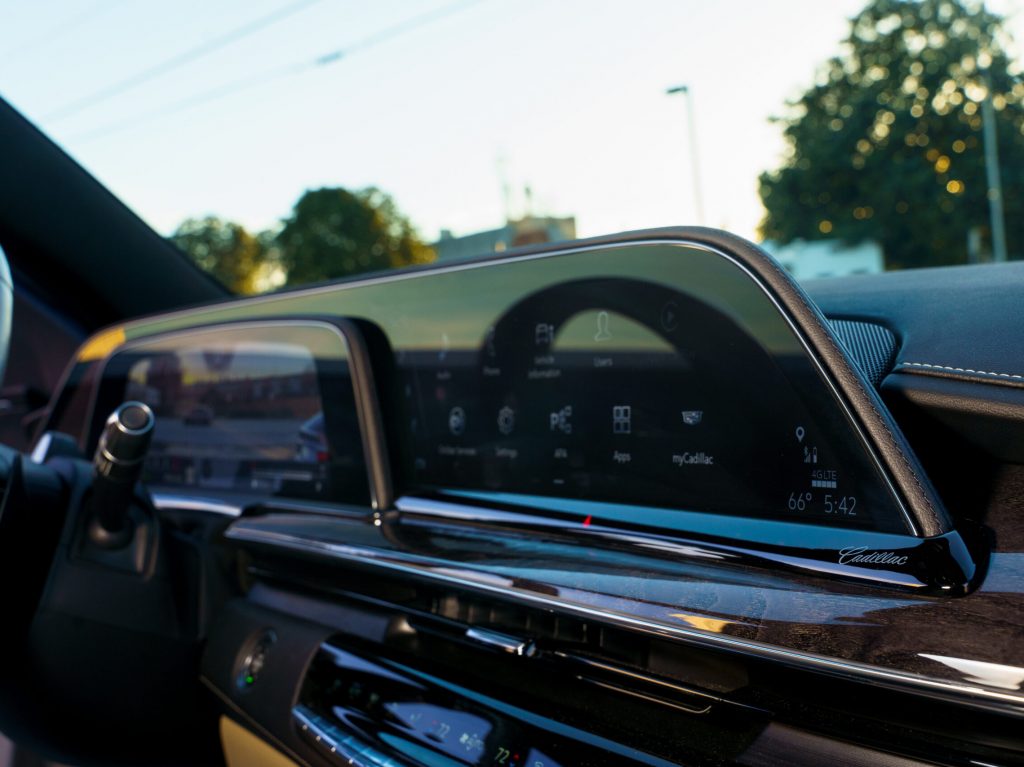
698,199
992,175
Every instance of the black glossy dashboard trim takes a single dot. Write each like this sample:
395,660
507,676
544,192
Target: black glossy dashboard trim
939,566
264,534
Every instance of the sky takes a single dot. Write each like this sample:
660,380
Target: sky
444,105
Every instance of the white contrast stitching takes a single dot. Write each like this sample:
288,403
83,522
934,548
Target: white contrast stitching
961,370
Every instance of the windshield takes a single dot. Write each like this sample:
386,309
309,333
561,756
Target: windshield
284,142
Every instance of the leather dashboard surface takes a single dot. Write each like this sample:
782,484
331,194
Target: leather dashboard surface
959,322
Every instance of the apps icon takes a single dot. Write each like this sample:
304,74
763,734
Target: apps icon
622,419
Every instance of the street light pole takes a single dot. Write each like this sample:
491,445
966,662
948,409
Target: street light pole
992,176
698,199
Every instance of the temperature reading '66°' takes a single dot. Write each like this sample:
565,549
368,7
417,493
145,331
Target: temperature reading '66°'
799,501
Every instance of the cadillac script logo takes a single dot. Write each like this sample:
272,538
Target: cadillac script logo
862,555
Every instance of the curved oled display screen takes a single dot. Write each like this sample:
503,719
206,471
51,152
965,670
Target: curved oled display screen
641,378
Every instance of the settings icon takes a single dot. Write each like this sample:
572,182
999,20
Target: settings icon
506,420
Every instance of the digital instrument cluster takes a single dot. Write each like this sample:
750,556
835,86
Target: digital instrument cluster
263,410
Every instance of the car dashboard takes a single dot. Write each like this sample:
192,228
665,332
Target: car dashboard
634,500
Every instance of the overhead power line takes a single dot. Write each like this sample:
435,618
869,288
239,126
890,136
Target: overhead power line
388,33
176,62
60,30
370,41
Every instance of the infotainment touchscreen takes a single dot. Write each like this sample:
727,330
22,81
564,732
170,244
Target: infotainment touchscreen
628,391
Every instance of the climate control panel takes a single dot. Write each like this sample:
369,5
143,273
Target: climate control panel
377,713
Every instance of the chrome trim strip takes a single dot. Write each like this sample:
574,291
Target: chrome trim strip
317,735
111,459
172,501
506,588
569,250
42,448
633,675
649,698
286,505
336,744
175,500
503,642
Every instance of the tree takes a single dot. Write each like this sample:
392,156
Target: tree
333,233
227,251
888,143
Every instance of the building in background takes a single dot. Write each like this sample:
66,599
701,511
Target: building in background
807,260
529,230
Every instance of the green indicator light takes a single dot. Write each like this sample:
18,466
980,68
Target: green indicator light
249,680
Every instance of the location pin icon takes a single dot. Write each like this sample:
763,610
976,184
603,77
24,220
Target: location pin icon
799,433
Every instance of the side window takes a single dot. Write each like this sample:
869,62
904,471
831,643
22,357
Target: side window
42,342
